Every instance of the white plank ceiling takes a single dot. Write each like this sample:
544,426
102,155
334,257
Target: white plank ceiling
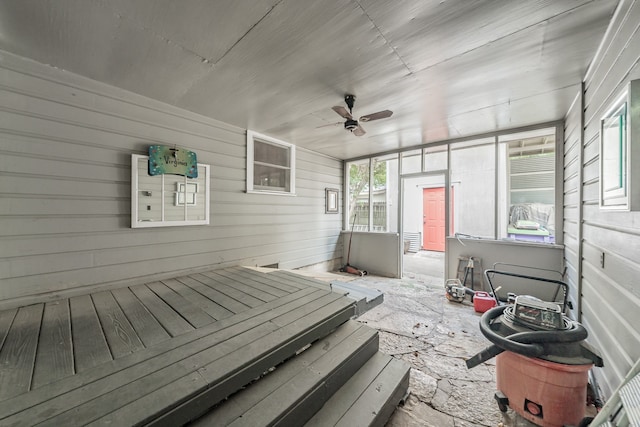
445,68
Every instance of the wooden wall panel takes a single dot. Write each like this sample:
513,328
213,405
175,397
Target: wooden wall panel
65,190
610,293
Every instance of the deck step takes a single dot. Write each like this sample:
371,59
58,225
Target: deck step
297,389
340,380
365,298
179,379
369,397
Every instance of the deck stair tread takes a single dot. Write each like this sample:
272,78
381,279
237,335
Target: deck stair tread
340,377
365,298
299,386
166,352
369,397
169,382
302,280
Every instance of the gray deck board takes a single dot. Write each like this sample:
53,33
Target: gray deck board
238,290
243,401
376,404
345,398
54,358
230,351
228,298
249,283
145,325
89,343
304,394
301,280
272,349
6,319
191,312
121,337
308,309
156,352
144,388
168,318
19,351
51,400
210,307
287,286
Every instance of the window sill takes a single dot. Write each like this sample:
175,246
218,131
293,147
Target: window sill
273,193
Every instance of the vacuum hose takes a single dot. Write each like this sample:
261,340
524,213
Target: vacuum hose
525,343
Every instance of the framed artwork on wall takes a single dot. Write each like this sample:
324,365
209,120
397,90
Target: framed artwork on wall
331,200
188,192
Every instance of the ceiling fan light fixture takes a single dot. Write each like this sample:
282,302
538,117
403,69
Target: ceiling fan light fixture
351,125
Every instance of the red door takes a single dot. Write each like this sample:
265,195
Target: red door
433,219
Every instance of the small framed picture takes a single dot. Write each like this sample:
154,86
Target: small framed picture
189,195
331,200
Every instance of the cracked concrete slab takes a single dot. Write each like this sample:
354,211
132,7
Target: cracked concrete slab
417,324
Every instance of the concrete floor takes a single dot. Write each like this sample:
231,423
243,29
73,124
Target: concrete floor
418,325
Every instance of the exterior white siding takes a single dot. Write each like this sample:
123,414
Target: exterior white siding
610,304
572,212
65,185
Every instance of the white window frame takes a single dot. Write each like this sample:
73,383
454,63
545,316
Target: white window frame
135,194
251,137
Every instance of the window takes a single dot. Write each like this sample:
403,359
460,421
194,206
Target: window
358,202
167,200
501,186
613,156
375,210
527,165
270,165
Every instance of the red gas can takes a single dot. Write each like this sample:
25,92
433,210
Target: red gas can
482,301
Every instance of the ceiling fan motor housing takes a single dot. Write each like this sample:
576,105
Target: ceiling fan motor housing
351,125
350,100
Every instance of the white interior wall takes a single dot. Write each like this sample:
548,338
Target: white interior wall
609,290
65,184
376,253
413,205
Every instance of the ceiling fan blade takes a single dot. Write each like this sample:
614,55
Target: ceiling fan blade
342,112
331,124
376,116
359,131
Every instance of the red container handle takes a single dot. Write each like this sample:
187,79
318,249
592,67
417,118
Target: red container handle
482,294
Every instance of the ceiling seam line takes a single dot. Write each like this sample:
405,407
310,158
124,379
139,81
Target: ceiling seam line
411,72
167,40
502,38
213,64
248,31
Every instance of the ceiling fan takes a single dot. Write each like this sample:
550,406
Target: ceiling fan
352,124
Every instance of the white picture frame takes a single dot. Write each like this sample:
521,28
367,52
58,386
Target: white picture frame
191,194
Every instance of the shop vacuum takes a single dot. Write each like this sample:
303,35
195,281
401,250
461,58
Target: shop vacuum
542,362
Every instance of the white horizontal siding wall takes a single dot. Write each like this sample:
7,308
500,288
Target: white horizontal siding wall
572,174
610,294
65,159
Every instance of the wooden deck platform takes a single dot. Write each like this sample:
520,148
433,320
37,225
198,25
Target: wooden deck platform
159,353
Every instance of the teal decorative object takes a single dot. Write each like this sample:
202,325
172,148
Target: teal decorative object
174,160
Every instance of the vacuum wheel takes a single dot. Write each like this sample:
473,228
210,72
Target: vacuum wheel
503,401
